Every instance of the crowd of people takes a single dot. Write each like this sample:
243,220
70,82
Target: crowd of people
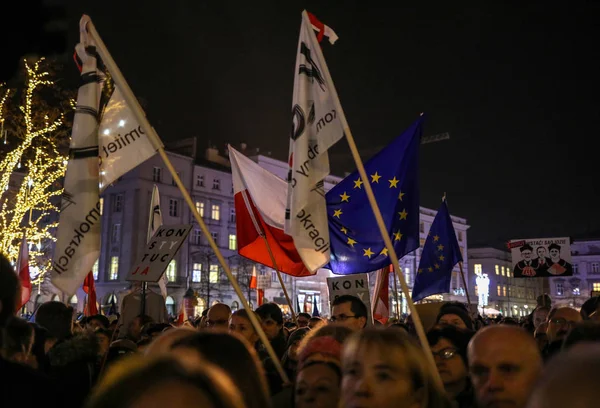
548,359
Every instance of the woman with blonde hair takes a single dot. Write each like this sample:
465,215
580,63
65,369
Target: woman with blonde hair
386,368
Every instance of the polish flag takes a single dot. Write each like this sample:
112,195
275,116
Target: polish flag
260,200
381,305
23,268
89,287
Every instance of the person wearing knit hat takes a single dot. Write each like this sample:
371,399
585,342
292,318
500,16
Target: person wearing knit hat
455,314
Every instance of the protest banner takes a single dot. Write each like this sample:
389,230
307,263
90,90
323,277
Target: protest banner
356,285
541,257
163,246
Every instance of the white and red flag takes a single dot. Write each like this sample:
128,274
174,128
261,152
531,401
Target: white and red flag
317,124
23,271
381,303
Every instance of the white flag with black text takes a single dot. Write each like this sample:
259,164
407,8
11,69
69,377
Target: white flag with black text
317,125
154,222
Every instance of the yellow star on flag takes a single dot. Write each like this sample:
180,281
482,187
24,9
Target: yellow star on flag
337,213
344,230
436,238
403,215
401,195
440,247
358,183
368,253
442,257
375,178
397,236
344,197
420,270
430,269
437,266
394,182
384,252
351,242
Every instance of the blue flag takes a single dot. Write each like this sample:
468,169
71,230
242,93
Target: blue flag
356,243
440,253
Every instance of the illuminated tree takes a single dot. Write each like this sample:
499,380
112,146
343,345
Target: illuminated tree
33,151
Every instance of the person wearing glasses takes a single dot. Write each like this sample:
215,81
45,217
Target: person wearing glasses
218,317
449,347
349,311
560,321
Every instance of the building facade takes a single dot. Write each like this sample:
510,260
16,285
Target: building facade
585,282
508,295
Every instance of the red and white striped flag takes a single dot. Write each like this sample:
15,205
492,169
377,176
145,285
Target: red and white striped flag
23,271
381,303
89,287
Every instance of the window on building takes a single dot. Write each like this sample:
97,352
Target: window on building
502,269
476,291
215,237
508,271
596,286
173,180
595,267
576,291
497,270
117,203
214,274
232,242
114,268
156,174
510,290
115,237
575,269
200,208
170,304
531,294
196,237
196,272
73,301
95,269
216,184
215,212
200,180
172,271
101,205
504,291
232,215
274,277
173,207
460,236
559,289
422,227
235,306
407,275
477,270
499,291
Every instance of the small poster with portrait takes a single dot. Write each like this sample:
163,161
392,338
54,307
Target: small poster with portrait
541,257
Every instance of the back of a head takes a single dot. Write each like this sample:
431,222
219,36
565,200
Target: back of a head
57,318
582,332
10,290
136,380
569,379
270,310
233,355
16,337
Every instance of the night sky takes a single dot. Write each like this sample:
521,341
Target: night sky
515,86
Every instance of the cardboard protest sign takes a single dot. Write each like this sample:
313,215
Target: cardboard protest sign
263,282
541,257
163,246
355,285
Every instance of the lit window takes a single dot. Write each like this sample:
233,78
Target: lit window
95,269
407,274
504,290
232,242
215,237
200,180
508,271
173,207
596,286
215,212
172,271
200,208
196,272
497,270
232,215
196,237
170,304
156,174
214,274
559,289
576,291
502,269
118,203
499,291
478,270
216,184
101,205
116,233
114,268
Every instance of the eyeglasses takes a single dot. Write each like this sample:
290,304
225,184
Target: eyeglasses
445,354
220,322
560,321
341,318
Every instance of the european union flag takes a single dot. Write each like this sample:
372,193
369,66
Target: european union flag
440,253
356,243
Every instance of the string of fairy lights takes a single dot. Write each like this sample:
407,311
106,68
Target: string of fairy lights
30,173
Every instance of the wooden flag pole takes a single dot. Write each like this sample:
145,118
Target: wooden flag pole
133,103
462,275
377,213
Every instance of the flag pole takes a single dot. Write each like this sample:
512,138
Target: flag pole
133,103
377,212
462,275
